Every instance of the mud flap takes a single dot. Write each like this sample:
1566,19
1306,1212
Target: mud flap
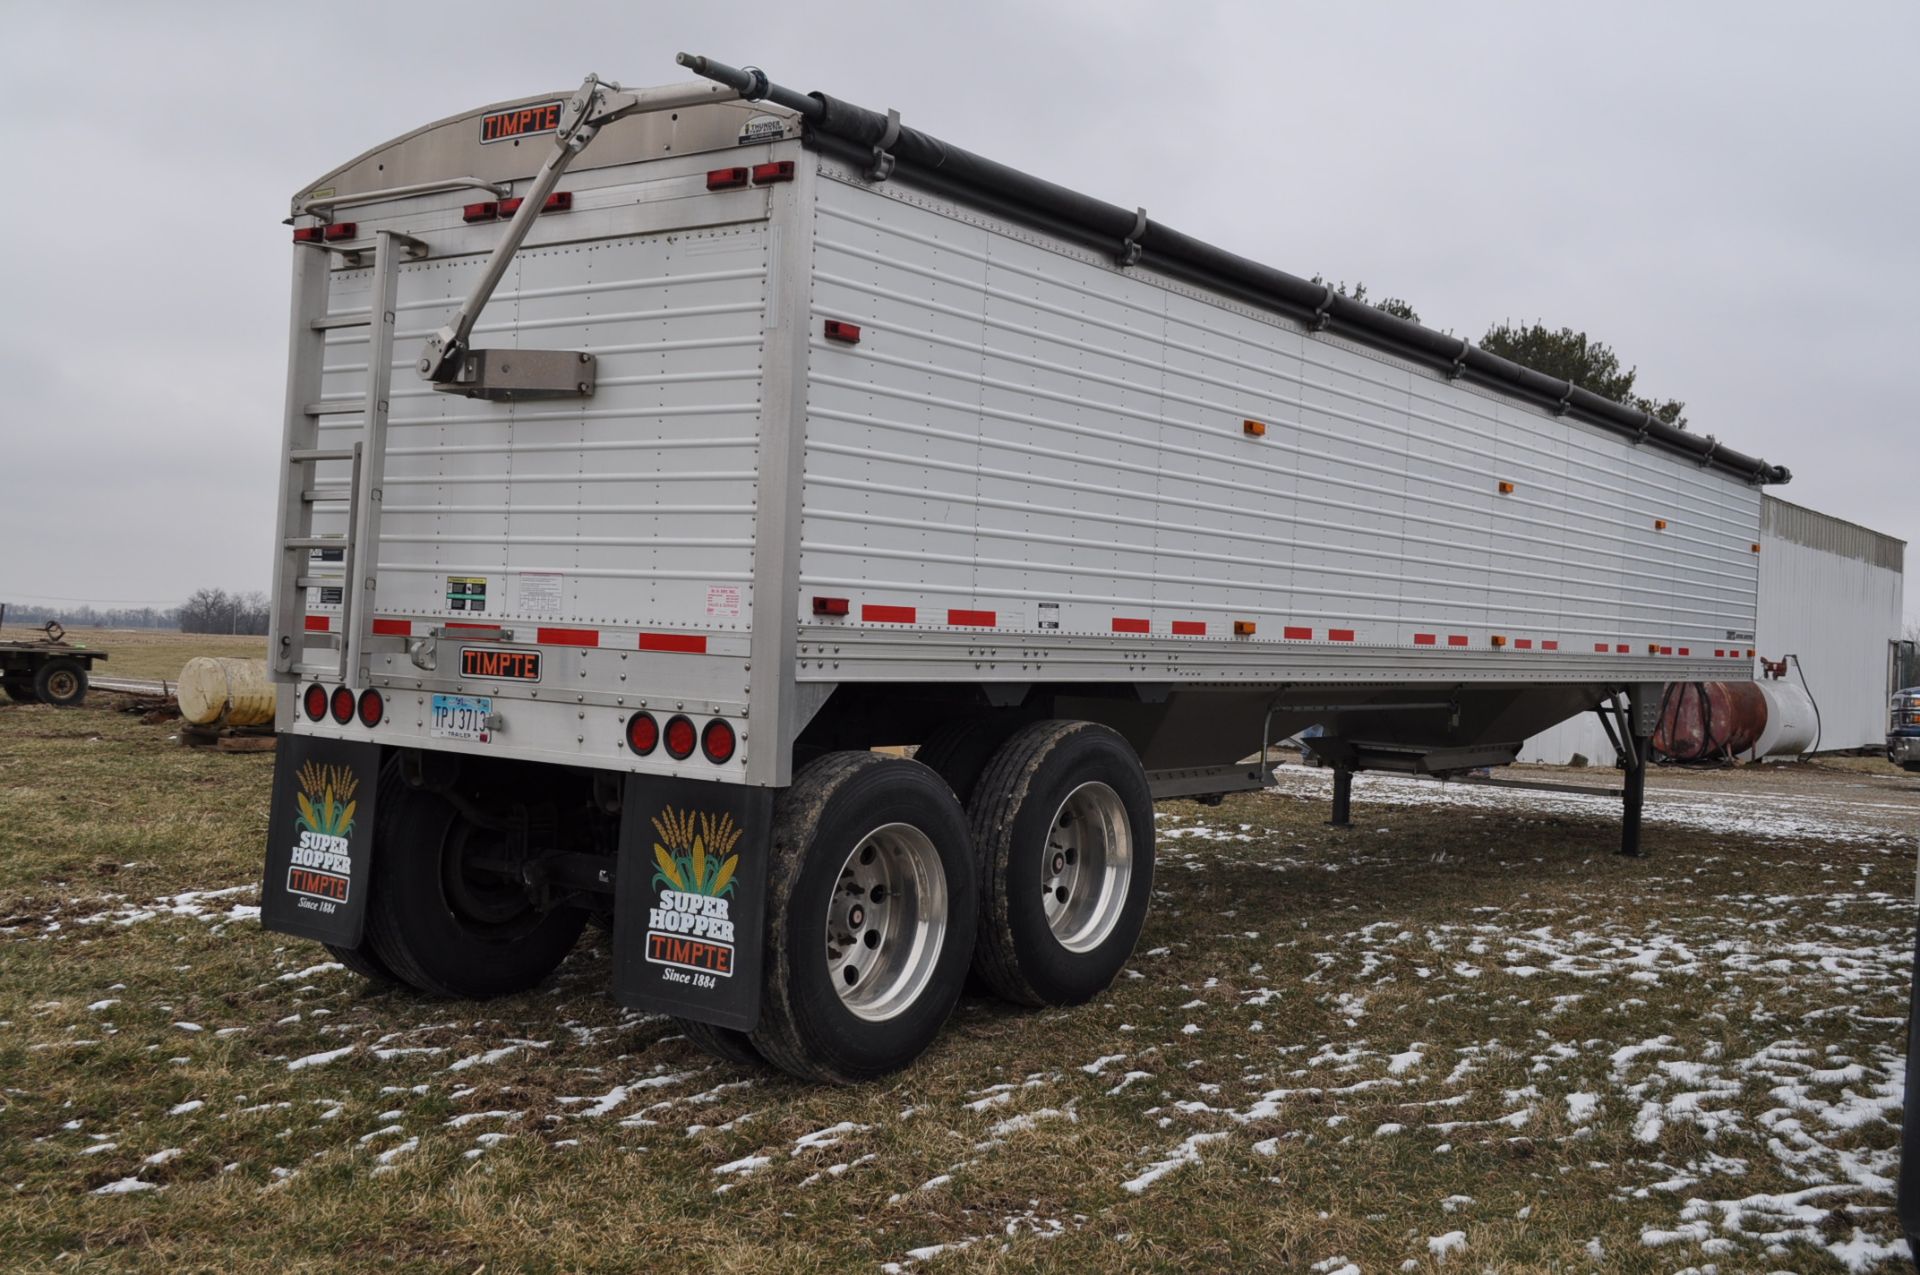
690,899
320,839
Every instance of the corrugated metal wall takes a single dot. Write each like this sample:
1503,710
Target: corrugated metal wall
1830,592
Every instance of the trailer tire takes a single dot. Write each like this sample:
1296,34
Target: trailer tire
362,961
444,931
723,1043
958,751
862,840
1061,910
20,690
61,683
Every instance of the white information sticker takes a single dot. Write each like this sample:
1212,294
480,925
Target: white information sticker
541,592
723,601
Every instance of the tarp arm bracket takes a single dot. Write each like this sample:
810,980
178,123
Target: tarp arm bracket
1129,253
882,166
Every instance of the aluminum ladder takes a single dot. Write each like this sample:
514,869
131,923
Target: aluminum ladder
297,654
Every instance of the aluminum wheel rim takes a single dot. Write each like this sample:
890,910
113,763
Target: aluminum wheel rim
1088,867
886,921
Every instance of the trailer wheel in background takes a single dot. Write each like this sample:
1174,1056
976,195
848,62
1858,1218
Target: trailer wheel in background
1063,824
958,751
20,689
61,683
870,917
442,923
362,961
723,1043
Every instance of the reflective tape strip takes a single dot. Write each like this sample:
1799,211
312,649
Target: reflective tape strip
568,637
1131,626
1456,639
972,619
1297,634
1339,635
1189,628
319,624
887,615
393,628
679,643
1425,639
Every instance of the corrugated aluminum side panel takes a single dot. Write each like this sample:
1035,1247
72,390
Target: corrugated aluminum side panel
632,504
1027,437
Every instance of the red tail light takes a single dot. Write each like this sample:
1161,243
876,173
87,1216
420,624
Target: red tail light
777,171
342,230
480,212
315,702
846,332
373,707
681,738
717,740
726,178
309,234
342,705
558,201
830,606
643,733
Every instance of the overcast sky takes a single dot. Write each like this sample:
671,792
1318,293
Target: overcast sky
1725,193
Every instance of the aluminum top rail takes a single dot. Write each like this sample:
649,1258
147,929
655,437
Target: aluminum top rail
888,148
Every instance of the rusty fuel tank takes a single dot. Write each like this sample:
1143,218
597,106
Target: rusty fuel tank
1744,721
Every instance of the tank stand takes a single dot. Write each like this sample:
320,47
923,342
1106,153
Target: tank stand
1342,797
1643,712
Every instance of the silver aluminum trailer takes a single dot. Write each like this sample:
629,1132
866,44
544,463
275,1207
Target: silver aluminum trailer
653,457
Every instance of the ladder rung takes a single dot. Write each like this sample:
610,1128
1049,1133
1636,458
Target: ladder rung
320,582
337,409
313,542
329,497
349,319
301,454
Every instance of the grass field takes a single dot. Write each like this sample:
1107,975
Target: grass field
1461,1036
148,654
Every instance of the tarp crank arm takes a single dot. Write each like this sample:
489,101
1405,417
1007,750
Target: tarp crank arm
595,105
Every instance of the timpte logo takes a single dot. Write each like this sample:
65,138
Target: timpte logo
691,926
322,865
500,663
521,121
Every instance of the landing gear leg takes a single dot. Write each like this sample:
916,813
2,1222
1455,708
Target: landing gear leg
1342,797
1642,715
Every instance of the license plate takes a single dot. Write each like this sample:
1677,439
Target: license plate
461,717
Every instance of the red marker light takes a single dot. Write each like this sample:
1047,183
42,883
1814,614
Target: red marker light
778,171
726,178
480,212
342,230
717,741
643,733
315,702
830,606
309,234
342,705
681,738
843,332
373,707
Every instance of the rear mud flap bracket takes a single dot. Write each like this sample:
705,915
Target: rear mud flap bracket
690,899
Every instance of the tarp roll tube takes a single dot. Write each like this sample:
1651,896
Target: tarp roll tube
926,160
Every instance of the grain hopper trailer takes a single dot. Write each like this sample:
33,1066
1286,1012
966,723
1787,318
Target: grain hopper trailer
653,457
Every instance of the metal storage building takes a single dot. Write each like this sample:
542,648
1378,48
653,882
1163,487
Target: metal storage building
1830,592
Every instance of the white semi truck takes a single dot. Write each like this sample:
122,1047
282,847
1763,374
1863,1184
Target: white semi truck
654,457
